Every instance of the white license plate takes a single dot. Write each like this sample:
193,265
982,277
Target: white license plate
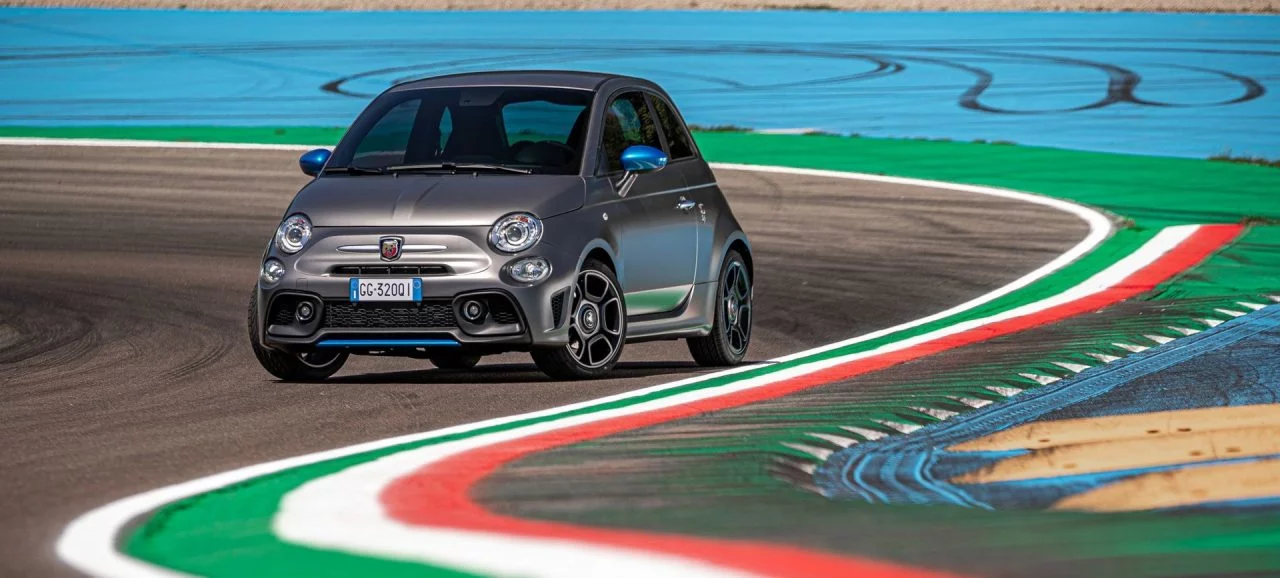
386,290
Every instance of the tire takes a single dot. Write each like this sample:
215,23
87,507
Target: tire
591,353
295,367
731,333
455,361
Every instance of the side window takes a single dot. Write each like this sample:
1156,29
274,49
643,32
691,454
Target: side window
677,137
386,142
627,121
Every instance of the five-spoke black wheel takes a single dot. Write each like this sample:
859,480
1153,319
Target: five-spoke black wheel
731,334
597,328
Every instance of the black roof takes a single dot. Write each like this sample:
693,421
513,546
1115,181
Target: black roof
540,78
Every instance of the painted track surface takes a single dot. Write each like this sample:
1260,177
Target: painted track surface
1162,84
127,271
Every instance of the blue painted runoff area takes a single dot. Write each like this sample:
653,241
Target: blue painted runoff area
1232,364
1163,84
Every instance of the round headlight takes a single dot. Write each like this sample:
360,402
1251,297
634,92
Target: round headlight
293,234
515,233
530,270
272,271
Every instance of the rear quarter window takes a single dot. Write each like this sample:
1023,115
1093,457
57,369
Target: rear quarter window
678,139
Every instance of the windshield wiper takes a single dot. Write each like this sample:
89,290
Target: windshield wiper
354,170
456,167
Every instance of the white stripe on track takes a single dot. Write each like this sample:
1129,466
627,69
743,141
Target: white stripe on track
88,543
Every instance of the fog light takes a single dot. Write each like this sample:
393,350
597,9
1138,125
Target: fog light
305,311
473,311
530,270
272,271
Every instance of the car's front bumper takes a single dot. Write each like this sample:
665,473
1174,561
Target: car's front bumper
536,316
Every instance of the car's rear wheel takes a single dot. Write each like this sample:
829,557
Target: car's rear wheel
455,361
597,328
310,366
731,334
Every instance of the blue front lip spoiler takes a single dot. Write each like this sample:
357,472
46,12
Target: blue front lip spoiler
388,343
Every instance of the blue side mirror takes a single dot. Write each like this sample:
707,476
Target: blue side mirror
312,161
643,159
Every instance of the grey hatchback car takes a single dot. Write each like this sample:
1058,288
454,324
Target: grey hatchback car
560,213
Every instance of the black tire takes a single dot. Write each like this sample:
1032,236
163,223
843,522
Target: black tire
731,334
304,367
455,361
591,352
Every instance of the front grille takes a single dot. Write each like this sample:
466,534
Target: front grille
390,270
502,311
425,315
557,307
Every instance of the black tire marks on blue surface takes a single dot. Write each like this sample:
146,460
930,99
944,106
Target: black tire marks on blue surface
915,468
985,64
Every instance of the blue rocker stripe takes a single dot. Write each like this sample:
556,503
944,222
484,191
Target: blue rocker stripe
387,343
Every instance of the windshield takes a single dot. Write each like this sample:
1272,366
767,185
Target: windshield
540,130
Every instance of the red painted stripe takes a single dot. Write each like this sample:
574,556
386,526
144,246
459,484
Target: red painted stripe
438,495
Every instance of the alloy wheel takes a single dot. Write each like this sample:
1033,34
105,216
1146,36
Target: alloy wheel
595,328
736,303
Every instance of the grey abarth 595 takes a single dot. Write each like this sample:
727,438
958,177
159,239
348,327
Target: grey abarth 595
560,213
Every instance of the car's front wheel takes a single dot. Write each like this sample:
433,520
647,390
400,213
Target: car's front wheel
597,328
310,366
731,333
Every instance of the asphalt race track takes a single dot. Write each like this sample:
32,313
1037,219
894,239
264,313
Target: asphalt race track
123,356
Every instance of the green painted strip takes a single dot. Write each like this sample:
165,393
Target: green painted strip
228,532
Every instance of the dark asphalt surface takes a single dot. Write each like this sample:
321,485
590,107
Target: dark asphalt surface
124,364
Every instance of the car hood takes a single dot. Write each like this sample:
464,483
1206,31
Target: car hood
434,200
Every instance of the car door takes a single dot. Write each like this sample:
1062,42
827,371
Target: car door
658,250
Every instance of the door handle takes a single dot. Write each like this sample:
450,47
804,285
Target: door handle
686,205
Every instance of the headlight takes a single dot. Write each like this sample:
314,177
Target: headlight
530,270
272,271
293,233
515,233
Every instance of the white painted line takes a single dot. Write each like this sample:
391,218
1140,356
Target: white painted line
940,414
1253,306
1131,348
1072,367
1103,357
1230,312
1040,379
867,434
899,426
972,401
1160,339
820,453
838,441
1004,391
1209,322
804,467
88,543
1184,330
803,130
